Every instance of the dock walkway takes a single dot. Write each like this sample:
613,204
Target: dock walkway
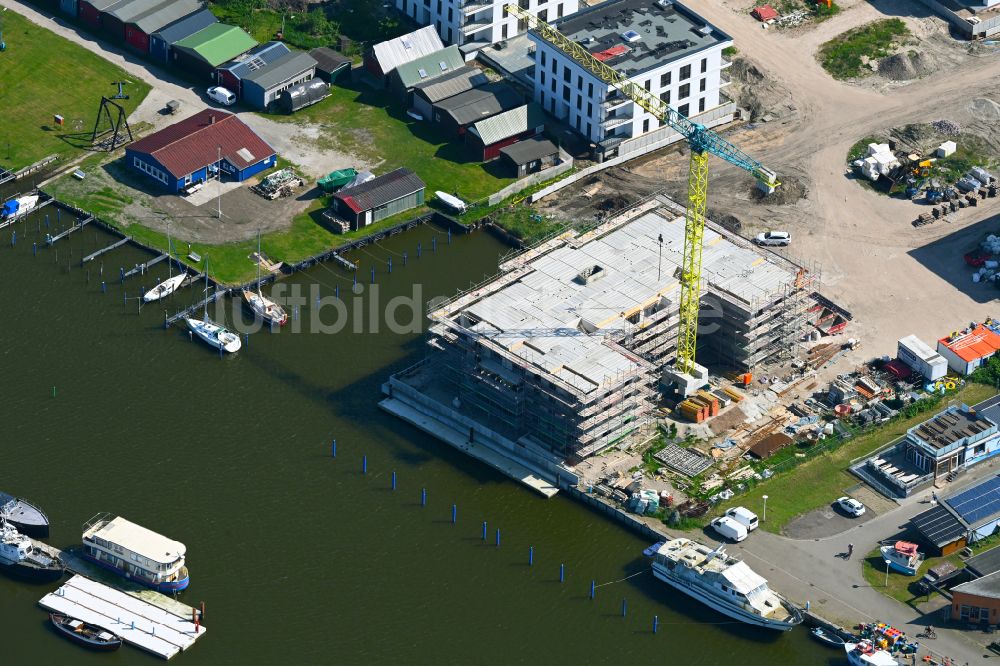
137,622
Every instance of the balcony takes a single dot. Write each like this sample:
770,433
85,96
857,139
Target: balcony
724,79
475,25
473,6
614,101
615,121
726,63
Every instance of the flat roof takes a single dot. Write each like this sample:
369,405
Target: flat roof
971,345
987,586
593,286
657,33
949,427
139,540
920,348
985,563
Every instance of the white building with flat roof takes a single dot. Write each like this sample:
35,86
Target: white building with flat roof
661,45
480,22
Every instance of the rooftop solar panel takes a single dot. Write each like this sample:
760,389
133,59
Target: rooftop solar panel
977,503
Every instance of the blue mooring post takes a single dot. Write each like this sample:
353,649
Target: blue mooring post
593,588
295,312
656,623
333,449
454,513
246,340
562,573
58,215
423,497
336,291
46,220
531,556
34,249
373,273
390,264
121,274
394,479
364,464
498,537
355,276
13,238
624,607
104,287
434,244
449,235
418,250
404,257
484,530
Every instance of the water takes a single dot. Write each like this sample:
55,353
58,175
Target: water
298,556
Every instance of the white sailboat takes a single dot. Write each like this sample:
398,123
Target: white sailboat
262,306
212,334
168,286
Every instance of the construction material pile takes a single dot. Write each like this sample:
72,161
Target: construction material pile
282,183
946,127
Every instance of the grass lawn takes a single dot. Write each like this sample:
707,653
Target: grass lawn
841,56
903,588
42,74
375,127
817,482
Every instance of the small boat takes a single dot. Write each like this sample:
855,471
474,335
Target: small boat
827,637
262,306
88,635
864,653
903,557
216,336
651,551
17,208
21,559
25,516
164,289
451,201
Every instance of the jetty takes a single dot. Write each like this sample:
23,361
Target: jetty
138,622
95,255
188,311
51,240
140,269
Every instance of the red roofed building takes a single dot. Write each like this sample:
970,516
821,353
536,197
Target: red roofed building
207,145
764,13
376,199
967,350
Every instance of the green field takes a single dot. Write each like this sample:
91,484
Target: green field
819,481
841,56
41,75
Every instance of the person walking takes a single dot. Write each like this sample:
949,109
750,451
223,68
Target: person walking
850,550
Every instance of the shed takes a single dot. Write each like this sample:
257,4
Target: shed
529,156
427,68
232,73
92,11
379,198
115,17
456,113
764,13
390,54
262,87
968,349
69,7
161,41
486,137
768,446
428,93
303,95
188,151
330,65
210,47
139,29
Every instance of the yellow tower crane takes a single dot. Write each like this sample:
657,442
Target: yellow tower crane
702,142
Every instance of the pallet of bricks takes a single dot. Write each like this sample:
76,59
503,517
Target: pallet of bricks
699,407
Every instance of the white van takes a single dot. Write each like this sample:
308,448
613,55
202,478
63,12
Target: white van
729,529
744,517
767,238
221,95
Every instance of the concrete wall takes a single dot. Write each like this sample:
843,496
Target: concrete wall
531,180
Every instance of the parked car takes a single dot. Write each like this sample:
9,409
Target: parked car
728,528
221,95
851,506
744,517
771,238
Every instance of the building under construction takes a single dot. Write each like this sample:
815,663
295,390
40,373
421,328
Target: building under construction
562,354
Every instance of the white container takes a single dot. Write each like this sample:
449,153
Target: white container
946,149
915,353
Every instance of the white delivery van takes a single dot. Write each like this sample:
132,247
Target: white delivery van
729,529
744,517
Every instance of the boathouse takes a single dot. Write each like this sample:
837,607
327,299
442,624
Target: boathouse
386,56
262,87
529,156
209,144
232,73
208,48
163,40
379,198
487,137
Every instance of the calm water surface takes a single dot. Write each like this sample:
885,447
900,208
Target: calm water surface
299,557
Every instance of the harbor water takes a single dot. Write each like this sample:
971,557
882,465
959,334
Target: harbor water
298,555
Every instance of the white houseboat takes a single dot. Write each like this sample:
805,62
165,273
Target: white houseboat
136,553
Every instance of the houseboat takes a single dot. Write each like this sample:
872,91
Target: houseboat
135,552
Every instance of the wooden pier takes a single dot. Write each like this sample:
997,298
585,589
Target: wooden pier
95,255
51,240
188,311
140,269
138,622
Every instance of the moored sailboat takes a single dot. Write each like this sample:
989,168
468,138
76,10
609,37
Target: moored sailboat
262,306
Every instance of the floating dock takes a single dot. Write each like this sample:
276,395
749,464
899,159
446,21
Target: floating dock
137,622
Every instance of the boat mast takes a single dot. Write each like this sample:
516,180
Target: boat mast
259,258
206,288
170,255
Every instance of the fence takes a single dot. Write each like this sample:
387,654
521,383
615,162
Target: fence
534,179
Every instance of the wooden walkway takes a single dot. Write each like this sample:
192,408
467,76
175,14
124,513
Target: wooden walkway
188,311
137,622
51,240
95,255
140,269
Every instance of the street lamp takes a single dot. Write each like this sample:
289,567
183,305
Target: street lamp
763,517
887,563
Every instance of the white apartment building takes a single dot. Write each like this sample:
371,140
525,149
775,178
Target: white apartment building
662,45
480,22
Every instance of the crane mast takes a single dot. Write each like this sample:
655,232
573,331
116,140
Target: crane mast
702,142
